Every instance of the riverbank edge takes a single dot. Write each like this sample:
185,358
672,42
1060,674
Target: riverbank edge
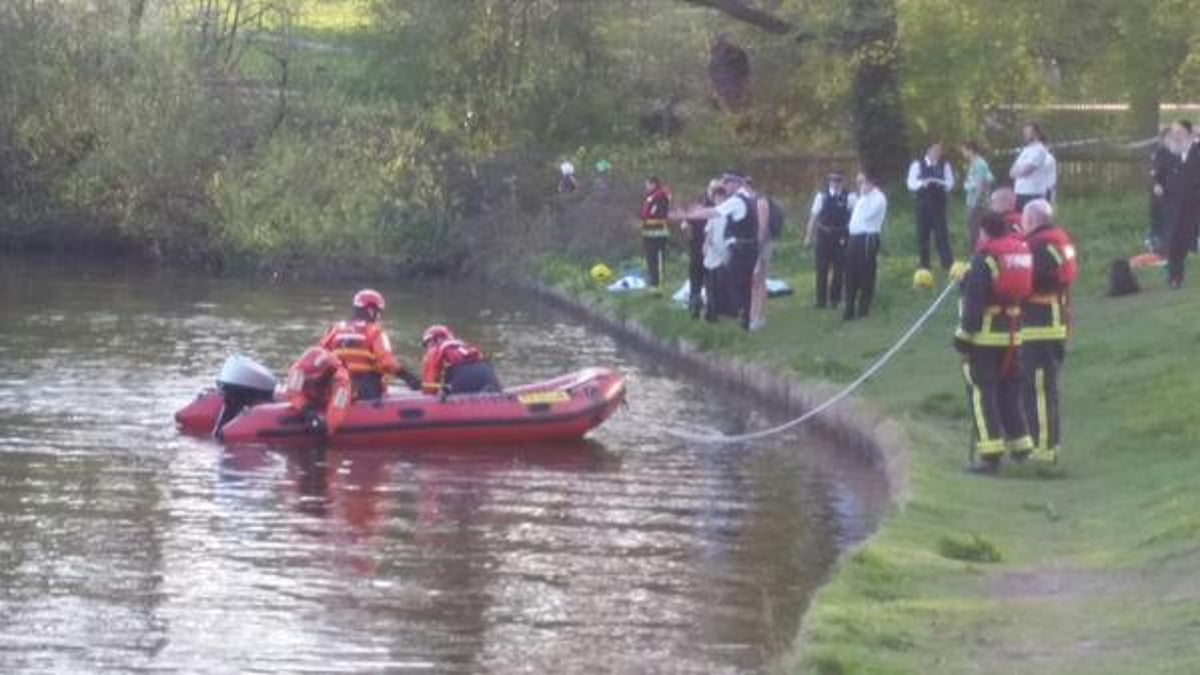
879,442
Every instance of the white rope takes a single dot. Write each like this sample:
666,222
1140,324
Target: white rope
849,389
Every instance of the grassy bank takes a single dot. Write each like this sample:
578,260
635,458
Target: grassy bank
1085,569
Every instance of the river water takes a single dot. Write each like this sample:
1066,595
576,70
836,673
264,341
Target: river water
126,547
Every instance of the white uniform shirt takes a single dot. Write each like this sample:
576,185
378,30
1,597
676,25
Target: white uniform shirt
914,175
716,245
869,212
1045,170
567,169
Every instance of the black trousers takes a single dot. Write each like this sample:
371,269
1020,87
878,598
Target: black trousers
740,278
1041,362
367,386
931,222
862,252
830,253
696,277
656,255
714,291
994,403
469,378
1022,200
1181,230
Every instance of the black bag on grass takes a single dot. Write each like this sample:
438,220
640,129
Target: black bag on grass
1121,280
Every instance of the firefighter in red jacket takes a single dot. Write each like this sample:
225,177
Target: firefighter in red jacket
999,278
1045,325
655,233
364,349
318,386
454,367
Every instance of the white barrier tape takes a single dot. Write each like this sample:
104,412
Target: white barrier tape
719,439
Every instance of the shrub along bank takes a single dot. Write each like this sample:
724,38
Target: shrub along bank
1085,568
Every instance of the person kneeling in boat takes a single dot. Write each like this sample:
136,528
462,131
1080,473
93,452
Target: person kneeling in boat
454,367
318,386
365,350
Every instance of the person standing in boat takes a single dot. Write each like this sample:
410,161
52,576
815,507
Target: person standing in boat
318,386
364,348
454,367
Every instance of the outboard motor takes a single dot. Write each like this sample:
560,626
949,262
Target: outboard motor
243,382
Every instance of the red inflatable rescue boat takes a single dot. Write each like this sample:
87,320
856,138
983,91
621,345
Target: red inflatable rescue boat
245,409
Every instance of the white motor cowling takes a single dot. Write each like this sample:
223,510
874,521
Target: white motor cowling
243,383
247,374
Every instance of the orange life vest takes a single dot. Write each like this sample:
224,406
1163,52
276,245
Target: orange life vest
362,346
443,356
319,380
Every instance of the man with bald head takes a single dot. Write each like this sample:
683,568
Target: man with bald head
1045,325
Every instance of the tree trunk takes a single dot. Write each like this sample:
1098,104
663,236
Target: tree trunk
1144,110
876,107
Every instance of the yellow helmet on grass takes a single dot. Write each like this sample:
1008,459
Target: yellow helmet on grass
922,279
600,273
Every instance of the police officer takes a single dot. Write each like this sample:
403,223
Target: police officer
830,218
1044,325
656,204
998,279
929,179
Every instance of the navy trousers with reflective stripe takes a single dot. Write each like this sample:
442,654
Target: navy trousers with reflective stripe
1041,361
993,401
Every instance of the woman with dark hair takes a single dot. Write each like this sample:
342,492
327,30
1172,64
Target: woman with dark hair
977,185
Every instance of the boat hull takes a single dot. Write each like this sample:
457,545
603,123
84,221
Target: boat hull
563,408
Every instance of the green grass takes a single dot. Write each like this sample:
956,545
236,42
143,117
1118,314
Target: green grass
1086,569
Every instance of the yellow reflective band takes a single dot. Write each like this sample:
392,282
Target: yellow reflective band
977,408
1043,333
1058,258
1039,384
993,266
295,380
544,397
1022,444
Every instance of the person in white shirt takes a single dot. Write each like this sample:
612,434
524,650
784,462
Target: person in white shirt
827,223
746,220
716,256
930,178
862,250
1035,171
566,181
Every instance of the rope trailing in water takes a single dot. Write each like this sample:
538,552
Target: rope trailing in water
875,367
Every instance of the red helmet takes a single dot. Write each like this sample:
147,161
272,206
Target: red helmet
436,333
369,298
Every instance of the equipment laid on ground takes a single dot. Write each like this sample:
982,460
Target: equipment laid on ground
246,409
776,288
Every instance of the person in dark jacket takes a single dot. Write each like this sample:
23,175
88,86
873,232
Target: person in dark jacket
930,179
694,228
1181,192
828,232
1161,162
1045,320
999,276
656,203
